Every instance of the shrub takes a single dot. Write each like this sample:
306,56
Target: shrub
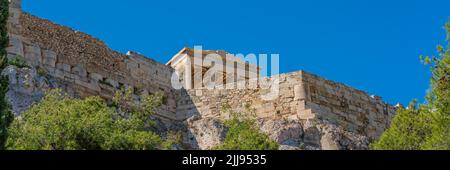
60,122
243,134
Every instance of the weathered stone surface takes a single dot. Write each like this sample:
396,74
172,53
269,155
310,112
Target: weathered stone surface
64,67
33,55
15,4
300,92
49,58
95,76
25,88
328,141
312,137
14,15
15,46
113,83
288,147
80,72
205,133
283,131
90,86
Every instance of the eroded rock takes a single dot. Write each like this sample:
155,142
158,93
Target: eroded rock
25,87
283,131
205,133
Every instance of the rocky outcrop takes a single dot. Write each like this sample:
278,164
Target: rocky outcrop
25,87
283,131
204,133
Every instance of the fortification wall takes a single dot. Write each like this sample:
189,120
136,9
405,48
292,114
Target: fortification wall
353,109
210,103
84,64
302,97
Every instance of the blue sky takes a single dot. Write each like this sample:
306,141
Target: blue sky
371,45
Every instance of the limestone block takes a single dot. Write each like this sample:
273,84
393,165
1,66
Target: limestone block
64,67
33,55
96,77
91,86
15,46
305,114
59,74
268,107
75,77
113,83
49,58
80,71
14,15
299,92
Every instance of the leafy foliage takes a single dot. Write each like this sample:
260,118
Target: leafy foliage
126,104
60,122
6,115
425,126
409,130
4,14
18,62
244,135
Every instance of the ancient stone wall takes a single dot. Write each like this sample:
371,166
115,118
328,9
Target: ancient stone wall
84,64
309,110
354,110
302,96
210,103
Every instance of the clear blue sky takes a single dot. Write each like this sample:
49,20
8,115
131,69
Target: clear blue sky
371,45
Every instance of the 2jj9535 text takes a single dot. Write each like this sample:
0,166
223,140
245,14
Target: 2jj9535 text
237,160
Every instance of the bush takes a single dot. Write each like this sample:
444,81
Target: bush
6,115
409,130
18,62
60,122
243,134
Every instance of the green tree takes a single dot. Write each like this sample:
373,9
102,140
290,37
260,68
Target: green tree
409,130
425,126
60,122
4,15
243,134
6,115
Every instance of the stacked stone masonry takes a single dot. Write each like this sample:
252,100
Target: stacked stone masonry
85,63
302,96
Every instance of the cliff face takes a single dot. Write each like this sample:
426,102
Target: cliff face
308,112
